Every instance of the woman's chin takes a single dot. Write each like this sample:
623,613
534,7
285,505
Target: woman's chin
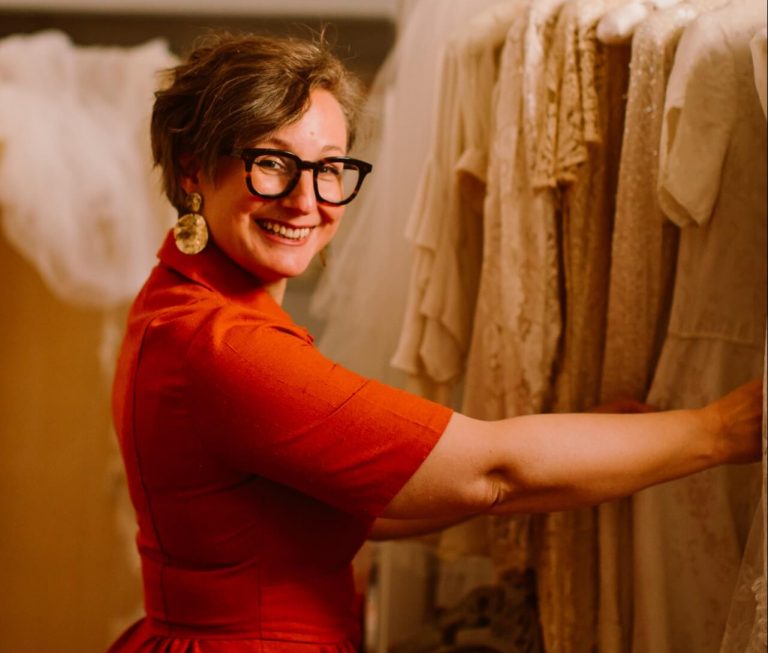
282,272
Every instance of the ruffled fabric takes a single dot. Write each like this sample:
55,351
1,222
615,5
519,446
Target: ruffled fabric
78,195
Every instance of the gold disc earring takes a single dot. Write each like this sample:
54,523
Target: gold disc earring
191,231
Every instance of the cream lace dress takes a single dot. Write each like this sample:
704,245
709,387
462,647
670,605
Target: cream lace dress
517,317
579,156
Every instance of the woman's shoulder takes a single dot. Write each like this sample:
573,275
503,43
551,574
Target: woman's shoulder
183,308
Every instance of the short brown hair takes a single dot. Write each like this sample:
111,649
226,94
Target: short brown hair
234,90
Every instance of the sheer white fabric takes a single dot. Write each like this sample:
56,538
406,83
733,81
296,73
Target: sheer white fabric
362,294
747,626
692,532
79,198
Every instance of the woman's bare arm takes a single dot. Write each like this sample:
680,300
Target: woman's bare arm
393,529
542,463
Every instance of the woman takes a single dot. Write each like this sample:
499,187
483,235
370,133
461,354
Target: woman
257,468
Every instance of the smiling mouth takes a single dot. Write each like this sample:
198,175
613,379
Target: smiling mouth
277,229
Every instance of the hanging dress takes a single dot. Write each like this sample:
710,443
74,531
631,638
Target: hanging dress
362,294
689,534
445,222
517,318
577,157
644,251
747,628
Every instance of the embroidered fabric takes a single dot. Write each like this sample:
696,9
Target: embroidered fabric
517,317
587,133
74,121
579,156
692,532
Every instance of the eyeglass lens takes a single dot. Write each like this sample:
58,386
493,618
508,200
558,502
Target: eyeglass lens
272,173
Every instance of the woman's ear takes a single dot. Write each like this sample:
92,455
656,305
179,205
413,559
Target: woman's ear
190,173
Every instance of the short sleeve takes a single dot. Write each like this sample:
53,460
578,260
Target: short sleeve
266,402
698,115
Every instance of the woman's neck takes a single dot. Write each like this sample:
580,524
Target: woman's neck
277,290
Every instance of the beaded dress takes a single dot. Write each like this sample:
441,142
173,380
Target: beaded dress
692,532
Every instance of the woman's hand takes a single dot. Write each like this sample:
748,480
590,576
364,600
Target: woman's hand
736,423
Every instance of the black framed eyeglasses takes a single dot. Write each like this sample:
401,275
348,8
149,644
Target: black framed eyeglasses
272,174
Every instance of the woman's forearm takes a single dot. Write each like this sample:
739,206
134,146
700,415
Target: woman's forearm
555,462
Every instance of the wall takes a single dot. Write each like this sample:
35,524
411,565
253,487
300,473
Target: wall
362,42
66,576
345,8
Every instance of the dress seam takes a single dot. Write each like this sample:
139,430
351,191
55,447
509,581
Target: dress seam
150,510
692,335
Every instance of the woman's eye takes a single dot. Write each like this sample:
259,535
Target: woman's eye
271,164
330,170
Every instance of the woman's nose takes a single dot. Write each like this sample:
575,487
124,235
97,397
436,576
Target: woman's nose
302,198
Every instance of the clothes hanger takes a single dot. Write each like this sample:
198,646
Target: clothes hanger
619,24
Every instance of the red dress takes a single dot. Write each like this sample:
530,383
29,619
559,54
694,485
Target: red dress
255,465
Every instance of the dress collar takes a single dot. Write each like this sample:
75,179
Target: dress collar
215,270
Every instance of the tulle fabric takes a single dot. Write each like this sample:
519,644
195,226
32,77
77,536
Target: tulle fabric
79,198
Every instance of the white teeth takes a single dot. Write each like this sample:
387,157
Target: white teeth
285,232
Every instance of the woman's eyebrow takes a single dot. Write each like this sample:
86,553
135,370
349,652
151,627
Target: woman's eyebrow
284,145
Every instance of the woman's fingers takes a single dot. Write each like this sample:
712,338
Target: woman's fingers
737,418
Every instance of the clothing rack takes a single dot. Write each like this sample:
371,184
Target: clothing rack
580,303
